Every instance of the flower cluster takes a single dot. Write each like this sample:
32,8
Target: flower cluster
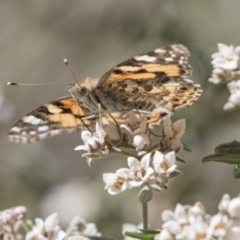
226,68
140,172
152,165
226,64
192,222
13,220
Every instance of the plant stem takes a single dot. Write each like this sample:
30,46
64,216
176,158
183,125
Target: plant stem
145,216
121,152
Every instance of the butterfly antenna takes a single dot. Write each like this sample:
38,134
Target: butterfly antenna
86,126
34,84
65,61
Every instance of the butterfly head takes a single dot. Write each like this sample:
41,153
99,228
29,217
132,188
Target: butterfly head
85,93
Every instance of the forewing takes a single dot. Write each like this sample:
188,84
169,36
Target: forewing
151,82
163,62
64,115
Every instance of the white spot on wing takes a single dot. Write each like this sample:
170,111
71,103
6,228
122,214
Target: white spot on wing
32,132
168,59
55,132
159,50
53,109
43,128
43,135
32,120
146,58
188,80
15,129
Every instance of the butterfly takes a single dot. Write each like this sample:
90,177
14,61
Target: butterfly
153,84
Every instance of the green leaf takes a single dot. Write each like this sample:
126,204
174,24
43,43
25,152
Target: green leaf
228,148
226,152
141,234
145,194
236,172
156,187
225,158
186,147
176,173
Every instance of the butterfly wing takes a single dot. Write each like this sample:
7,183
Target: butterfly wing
64,115
151,82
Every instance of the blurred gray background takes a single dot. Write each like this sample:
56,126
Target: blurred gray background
49,176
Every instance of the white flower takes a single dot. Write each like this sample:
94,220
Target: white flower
164,164
230,207
234,99
223,205
226,64
113,131
93,142
138,128
165,235
234,208
140,170
118,181
141,141
172,133
124,178
78,226
226,58
218,226
46,230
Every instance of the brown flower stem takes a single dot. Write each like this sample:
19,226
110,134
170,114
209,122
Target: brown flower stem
121,152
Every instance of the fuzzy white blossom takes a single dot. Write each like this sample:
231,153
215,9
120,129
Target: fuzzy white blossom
138,128
118,181
234,99
164,164
226,64
46,230
140,170
192,222
78,226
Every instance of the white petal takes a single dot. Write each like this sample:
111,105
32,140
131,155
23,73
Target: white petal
86,135
39,223
171,169
124,173
145,161
52,220
149,172
234,207
80,147
168,132
165,235
109,178
60,235
132,162
157,160
167,122
113,190
223,205
180,125
140,141
170,158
